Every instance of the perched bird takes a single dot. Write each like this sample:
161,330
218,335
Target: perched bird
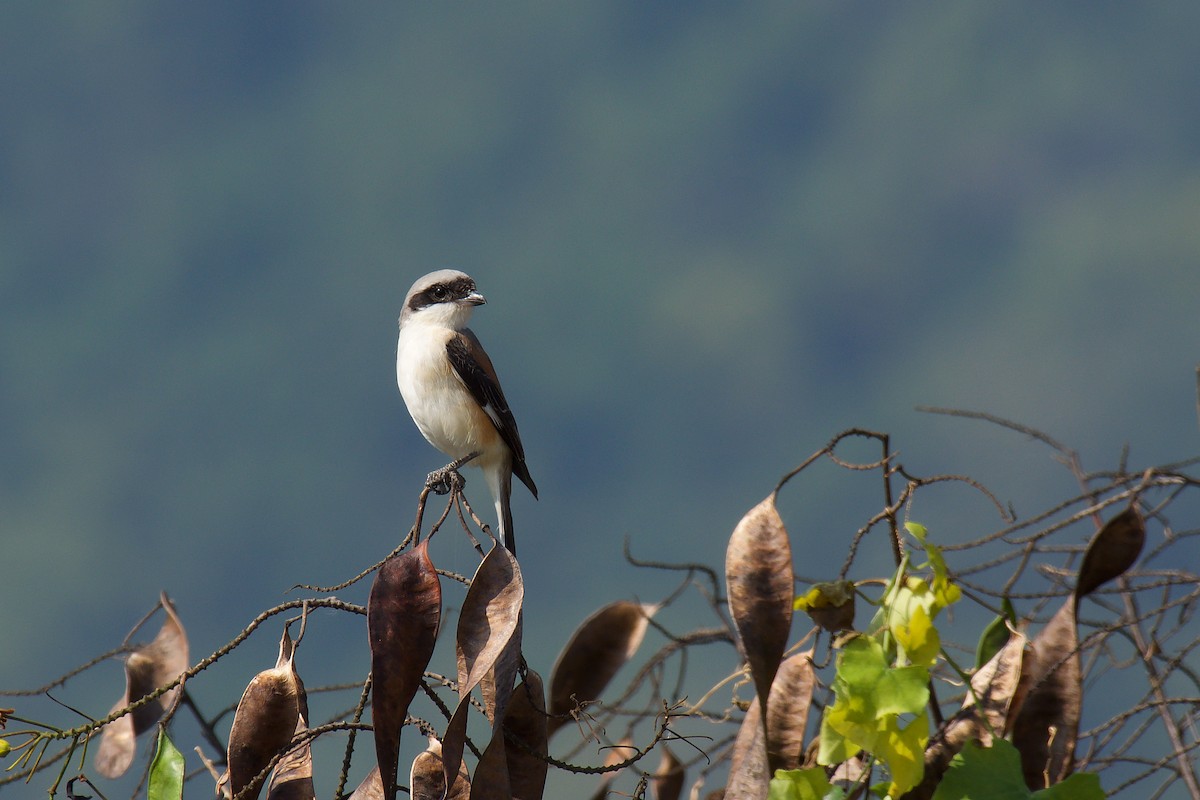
451,388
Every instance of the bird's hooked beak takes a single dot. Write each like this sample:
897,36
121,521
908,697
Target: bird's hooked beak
474,299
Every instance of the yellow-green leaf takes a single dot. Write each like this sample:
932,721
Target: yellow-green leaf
834,746
802,784
917,530
919,638
903,751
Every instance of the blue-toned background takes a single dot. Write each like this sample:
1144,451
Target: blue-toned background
710,238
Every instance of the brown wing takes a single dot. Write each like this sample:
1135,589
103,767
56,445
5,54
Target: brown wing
473,366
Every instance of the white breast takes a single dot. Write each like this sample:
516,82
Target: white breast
444,411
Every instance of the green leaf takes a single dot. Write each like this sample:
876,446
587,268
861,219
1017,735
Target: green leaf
995,635
1080,786
832,745
166,770
994,773
869,697
803,784
978,773
861,664
904,690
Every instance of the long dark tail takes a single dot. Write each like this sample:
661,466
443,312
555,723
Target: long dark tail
504,511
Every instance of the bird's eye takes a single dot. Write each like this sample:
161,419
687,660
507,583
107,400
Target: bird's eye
438,292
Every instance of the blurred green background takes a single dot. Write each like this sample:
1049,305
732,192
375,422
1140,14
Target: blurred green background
711,236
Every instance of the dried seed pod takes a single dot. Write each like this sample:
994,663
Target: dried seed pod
995,684
147,669
1113,549
489,621
403,614
758,572
292,778
749,775
754,757
265,720
371,787
787,711
667,783
525,726
1046,724
427,780
596,650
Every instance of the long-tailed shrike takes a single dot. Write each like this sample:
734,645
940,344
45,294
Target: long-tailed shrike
451,389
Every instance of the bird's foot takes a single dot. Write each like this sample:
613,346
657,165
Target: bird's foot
445,480
448,479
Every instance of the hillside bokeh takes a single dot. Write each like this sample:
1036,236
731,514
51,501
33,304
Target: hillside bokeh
711,237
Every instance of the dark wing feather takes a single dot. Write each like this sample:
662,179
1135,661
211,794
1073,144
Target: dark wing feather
473,366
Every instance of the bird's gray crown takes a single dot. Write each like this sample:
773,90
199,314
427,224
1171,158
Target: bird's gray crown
442,286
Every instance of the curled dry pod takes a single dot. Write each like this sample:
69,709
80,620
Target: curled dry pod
995,685
1046,723
403,614
787,711
597,649
264,722
754,758
292,777
146,669
490,618
1113,549
525,727
667,783
758,572
427,780
497,684
621,752
371,787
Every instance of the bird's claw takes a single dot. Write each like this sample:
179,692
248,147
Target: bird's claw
445,480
